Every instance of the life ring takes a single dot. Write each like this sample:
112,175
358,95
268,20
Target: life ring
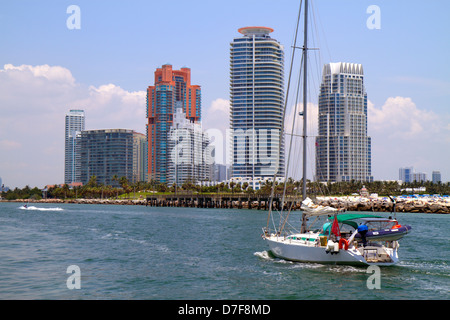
343,243
397,226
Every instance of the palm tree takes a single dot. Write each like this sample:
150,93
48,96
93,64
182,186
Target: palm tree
232,184
66,190
92,181
115,178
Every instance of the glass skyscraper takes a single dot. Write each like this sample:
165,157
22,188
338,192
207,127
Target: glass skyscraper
140,153
75,121
109,154
257,101
343,149
436,177
406,174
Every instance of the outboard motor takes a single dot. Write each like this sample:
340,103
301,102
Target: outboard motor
332,247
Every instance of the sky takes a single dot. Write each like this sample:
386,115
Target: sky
105,64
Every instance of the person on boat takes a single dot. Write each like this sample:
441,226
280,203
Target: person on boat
362,230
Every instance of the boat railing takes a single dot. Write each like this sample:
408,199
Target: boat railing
370,253
376,254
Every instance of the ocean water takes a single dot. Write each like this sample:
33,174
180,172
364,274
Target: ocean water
138,252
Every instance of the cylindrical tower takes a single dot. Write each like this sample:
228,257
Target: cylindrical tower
257,101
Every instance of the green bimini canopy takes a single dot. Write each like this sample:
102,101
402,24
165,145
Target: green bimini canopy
347,218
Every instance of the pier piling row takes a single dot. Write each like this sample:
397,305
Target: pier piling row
219,201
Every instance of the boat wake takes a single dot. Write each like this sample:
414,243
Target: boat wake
33,208
268,255
265,255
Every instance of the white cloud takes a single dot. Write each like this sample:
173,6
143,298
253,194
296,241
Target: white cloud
33,104
401,119
217,116
55,73
405,135
110,106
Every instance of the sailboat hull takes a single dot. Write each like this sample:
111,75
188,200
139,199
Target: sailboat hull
289,250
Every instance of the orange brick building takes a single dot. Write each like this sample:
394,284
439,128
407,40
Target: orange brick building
172,88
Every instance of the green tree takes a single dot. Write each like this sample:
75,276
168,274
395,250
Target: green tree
92,181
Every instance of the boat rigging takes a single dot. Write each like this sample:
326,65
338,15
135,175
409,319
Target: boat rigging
362,244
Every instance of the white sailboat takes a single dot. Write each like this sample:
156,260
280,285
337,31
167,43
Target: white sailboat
325,245
328,244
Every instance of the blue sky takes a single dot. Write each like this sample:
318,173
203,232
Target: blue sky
106,66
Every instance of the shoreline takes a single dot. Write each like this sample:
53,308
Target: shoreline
349,203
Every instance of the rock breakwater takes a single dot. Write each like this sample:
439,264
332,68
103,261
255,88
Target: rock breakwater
386,205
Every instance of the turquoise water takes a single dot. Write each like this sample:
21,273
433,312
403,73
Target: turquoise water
137,252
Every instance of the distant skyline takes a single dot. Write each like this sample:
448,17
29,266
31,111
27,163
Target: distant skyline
105,67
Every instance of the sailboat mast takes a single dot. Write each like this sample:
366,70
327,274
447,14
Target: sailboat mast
280,142
305,102
305,98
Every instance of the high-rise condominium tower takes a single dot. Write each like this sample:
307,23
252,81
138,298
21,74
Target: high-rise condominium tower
75,120
140,153
257,100
171,87
110,154
406,174
190,157
436,177
343,149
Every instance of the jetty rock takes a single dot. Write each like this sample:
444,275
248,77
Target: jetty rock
385,205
